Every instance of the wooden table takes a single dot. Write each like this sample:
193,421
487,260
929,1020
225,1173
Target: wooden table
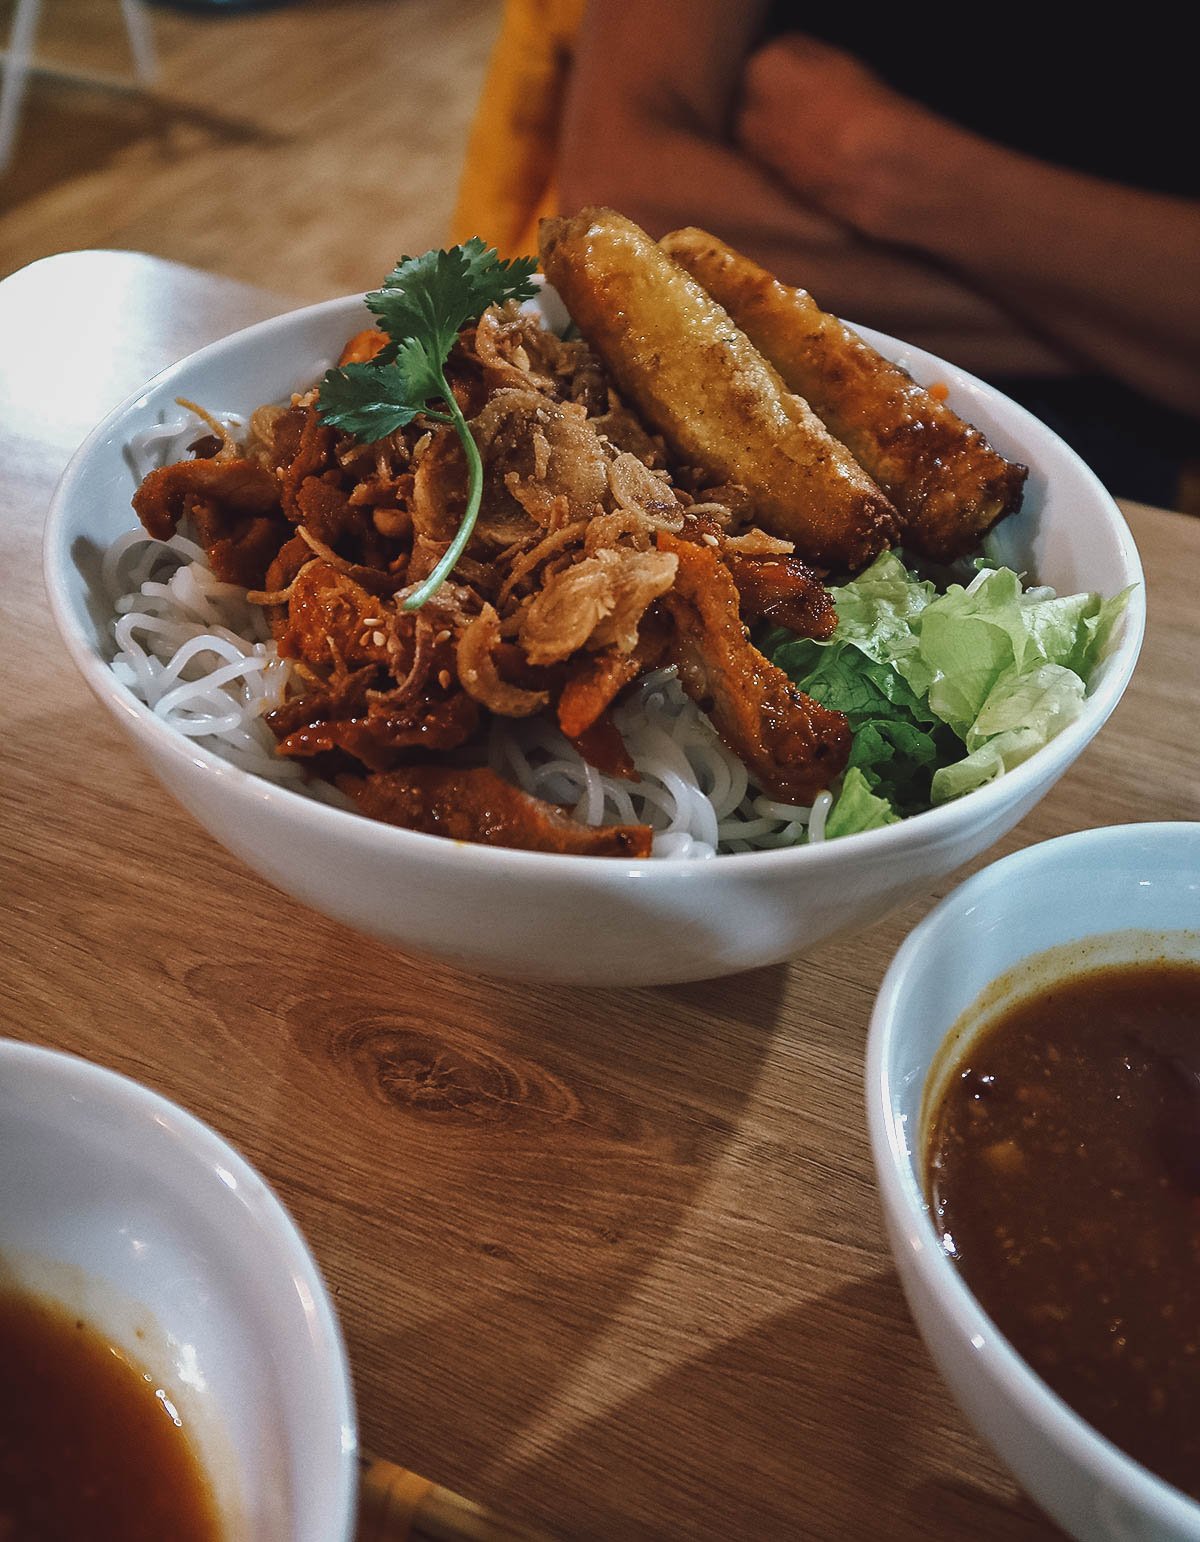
610,1261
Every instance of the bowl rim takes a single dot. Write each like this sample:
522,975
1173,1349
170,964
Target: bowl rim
123,1098
917,830
903,1197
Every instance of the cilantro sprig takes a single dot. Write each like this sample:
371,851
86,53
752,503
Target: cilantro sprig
422,306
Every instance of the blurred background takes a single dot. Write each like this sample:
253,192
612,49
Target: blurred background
300,147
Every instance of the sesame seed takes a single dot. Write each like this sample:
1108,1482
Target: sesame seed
442,637
378,639
709,539
444,679
372,620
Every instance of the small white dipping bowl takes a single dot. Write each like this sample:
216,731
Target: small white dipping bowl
1115,895
578,920
130,1213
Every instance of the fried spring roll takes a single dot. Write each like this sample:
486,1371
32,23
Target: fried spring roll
947,482
697,379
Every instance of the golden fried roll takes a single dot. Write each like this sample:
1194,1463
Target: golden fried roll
947,482
698,379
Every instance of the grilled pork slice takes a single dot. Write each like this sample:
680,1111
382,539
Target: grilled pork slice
791,745
474,804
234,507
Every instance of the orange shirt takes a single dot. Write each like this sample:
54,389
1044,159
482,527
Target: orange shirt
508,180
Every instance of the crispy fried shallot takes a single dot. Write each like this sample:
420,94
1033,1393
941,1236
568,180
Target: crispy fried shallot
475,657
597,602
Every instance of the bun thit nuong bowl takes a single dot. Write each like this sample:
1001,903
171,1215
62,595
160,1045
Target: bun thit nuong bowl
1130,893
579,920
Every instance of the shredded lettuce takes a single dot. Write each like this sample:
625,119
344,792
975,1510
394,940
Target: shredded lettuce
858,808
944,691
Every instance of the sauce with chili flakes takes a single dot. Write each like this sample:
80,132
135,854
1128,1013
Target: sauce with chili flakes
89,1444
1064,1176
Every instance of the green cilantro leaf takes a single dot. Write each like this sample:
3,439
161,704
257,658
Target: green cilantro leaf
424,303
369,401
433,296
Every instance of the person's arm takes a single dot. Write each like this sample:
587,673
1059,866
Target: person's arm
649,122
1111,272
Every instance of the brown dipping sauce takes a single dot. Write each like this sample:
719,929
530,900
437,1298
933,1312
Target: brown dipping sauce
1064,1176
88,1445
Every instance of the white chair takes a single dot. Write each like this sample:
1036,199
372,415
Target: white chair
17,61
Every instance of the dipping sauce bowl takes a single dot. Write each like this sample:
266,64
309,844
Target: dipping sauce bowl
132,1216
1127,894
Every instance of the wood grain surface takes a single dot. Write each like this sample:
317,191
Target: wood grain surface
610,1262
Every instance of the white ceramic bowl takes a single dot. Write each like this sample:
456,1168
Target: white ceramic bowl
129,1212
1102,896
582,920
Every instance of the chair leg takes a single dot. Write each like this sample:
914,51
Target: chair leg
141,40
16,63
